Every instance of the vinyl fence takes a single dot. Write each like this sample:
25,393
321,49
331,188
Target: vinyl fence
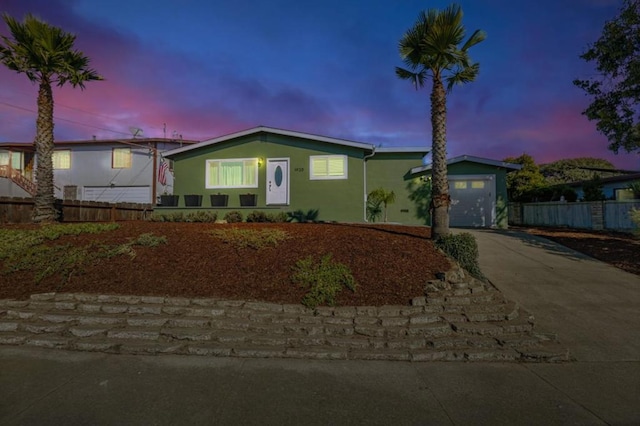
19,210
613,215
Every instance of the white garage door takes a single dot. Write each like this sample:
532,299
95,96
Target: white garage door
473,200
118,194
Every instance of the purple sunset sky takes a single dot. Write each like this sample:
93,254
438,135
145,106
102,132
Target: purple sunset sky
209,68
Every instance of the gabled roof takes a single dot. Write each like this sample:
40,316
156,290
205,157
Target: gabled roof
407,150
612,179
300,135
471,159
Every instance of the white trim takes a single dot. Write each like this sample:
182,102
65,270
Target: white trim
263,129
208,185
345,162
471,159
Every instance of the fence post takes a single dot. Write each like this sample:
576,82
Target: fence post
597,215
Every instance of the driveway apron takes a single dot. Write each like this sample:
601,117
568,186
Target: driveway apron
591,306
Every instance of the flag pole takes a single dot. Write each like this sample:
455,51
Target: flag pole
154,195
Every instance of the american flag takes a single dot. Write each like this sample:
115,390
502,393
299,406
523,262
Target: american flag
162,172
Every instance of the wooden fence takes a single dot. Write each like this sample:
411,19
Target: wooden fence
613,215
19,210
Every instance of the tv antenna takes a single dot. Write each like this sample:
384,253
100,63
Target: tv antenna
136,131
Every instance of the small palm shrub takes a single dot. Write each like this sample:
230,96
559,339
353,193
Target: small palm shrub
324,279
300,215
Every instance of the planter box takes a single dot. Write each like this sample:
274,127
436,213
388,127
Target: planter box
193,200
248,200
219,200
169,200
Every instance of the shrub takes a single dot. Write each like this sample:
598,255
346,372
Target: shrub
300,215
463,249
635,188
256,216
634,214
324,280
233,216
570,195
149,240
201,216
241,238
27,249
277,217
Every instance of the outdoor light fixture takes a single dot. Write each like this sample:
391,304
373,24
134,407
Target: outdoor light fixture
260,161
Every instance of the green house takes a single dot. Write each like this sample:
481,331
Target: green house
478,190
273,170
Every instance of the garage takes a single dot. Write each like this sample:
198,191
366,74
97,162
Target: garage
478,190
118,194
473,200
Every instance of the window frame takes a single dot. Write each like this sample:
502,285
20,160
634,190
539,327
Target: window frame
209,185
58,152
113,158
345,165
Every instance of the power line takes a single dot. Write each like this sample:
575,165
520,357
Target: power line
65,119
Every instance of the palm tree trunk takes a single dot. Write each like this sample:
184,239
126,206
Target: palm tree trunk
440,199
44,208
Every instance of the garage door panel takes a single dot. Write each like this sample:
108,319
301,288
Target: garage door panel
472,201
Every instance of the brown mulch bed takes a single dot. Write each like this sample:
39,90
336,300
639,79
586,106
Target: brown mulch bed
389,263
621,250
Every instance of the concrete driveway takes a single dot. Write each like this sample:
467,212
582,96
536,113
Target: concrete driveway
594,308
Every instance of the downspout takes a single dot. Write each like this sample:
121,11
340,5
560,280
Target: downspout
364,162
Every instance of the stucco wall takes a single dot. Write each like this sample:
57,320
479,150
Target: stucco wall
390,172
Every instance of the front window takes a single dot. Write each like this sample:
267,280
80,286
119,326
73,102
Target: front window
121,158
61,159
327,167
232,173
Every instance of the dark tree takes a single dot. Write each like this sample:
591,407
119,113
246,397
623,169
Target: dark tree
616,88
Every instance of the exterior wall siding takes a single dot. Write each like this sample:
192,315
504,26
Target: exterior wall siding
390,171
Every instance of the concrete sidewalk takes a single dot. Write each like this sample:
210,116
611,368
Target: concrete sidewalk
591,306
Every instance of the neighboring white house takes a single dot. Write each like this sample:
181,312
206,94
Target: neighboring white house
115,170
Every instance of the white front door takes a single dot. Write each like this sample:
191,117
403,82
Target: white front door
277,181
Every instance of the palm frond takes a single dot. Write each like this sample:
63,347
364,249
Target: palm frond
462,76
477,37
417,78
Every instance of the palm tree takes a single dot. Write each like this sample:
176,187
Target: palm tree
430,50
382,197
46,55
